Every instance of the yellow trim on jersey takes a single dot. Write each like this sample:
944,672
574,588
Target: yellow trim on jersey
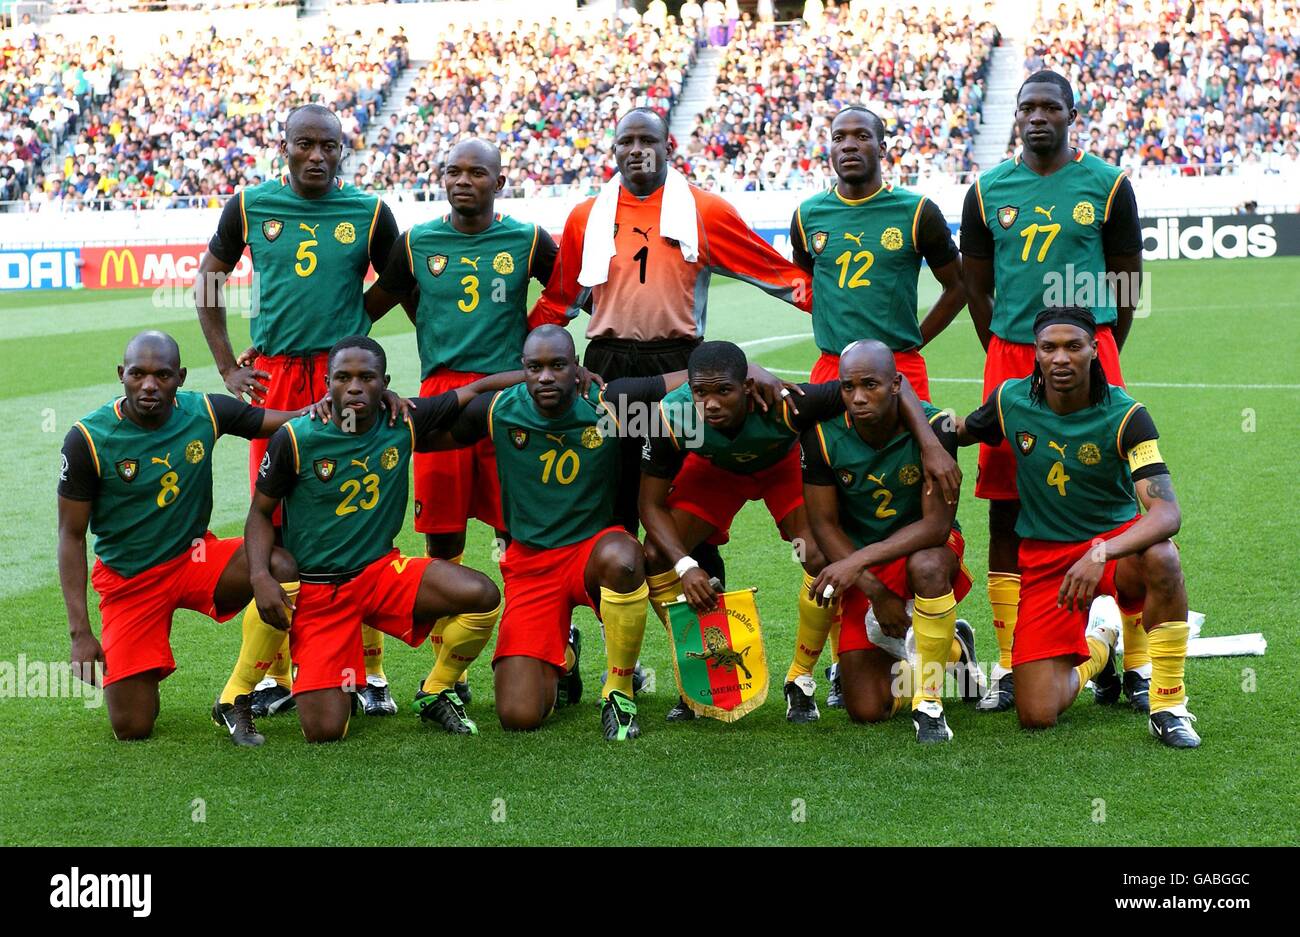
936,416
1078,156
373,218
884,187
821,438
1119,433
785,415
492,406
528,271
1002,422
297,463
916,218
117,407
243,215
798,217
410,261
410,425
669,426
94,453
1145,453
216,433
980,197
600,396
1105,216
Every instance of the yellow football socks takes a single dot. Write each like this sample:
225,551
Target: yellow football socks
835,639
664,587
1098,651
1168,646
435,637
814,626
258,649
1136,652
463,638
933,623
373,643
282,667
1004,597
623,614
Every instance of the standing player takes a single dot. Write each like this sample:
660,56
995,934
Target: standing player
470,270
638,258
1052,216
312,238
888,539
558,462
863,242
343,486
138,473
1082,446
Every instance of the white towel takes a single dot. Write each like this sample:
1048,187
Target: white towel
677,220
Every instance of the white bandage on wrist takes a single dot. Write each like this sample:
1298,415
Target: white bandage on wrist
685,565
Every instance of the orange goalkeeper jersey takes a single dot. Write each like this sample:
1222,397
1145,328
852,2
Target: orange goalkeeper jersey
652,292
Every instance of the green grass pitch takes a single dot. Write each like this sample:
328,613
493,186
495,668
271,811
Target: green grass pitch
1216,364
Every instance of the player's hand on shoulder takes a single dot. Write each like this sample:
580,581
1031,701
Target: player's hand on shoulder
397,406
86,653
699,592
837,577
767,390
586,379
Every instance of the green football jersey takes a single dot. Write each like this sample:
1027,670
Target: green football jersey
879,489
763,441
1046,234
865,267
473,311
309,259
558,477
349,493
155,492
1071,473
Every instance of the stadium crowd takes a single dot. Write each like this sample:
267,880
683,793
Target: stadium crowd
781,84
1169,87
202,117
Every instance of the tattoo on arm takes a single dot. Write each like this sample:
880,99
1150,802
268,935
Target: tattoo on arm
1160,488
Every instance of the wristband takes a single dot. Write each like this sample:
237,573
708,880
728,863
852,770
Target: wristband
685,565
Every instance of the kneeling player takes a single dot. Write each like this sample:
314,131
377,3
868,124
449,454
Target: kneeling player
1082,446
712,452
343,486
138,473
559,472
888,538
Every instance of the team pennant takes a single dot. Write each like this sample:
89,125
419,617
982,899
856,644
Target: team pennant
719,659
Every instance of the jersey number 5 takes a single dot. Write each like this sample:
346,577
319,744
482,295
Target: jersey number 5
306,264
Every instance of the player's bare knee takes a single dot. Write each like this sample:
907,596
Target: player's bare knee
867,709
318,730
928,572
655,559
132,726
1162,569
481,594
283,566
621,564
518,715
1034,715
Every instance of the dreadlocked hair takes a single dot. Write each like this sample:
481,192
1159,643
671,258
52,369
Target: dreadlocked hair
1098,385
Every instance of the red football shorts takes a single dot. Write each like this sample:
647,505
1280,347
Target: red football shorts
136,612
909,363
1006,361
716,495
1042,629
455,485
543,587
296,382
325,637
855,604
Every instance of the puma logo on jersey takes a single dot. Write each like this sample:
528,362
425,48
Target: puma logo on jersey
310,229
1058,448
165,460
361,463
558,440
645,234
855,238
879,481
1045,211
473,263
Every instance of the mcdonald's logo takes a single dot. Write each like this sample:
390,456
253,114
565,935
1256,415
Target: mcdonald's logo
119,260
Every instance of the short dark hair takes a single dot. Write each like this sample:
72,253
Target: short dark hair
718,358
1048,77
647,112
319,110
877,125
360,341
